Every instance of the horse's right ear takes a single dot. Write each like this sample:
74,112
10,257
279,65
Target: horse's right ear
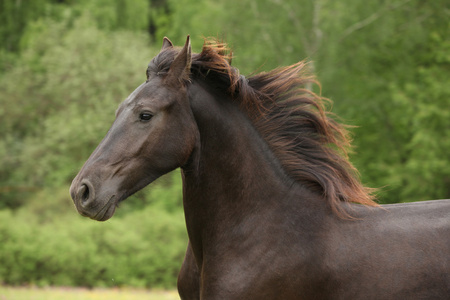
166,44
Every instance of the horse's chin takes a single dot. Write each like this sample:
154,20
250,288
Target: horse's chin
106,213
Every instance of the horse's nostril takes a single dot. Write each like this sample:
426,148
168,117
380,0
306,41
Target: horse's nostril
84,192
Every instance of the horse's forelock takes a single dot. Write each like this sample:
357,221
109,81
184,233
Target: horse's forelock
162,62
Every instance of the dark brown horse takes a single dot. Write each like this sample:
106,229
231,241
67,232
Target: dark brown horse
274,209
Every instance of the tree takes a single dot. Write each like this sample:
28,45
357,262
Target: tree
65,101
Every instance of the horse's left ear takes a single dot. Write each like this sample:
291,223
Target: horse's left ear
166,43
181,66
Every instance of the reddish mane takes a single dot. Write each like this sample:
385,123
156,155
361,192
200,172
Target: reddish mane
310,145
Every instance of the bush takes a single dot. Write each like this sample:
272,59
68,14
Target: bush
141,249
56,103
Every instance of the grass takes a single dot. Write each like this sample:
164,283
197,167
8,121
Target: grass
58,293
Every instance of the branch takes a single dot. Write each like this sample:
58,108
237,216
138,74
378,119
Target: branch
369,20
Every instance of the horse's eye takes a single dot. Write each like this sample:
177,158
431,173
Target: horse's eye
145,116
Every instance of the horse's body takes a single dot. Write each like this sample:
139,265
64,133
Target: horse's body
263,223
400,252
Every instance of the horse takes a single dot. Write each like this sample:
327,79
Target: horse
273,207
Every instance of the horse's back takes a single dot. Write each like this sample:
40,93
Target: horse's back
419,205
427,220
393,251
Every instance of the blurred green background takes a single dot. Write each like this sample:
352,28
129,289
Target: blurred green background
66,65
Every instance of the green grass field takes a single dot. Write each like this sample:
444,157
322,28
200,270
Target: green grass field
22,293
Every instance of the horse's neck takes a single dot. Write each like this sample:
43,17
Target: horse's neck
232,159
233,176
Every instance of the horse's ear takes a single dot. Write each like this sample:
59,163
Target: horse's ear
181,66
166,43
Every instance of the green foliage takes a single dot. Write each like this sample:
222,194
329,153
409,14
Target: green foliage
57,90
164,194
55,106
392,73
143,249
116,14
422,120
14,18
251,28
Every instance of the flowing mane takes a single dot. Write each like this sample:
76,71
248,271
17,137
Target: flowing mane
310,145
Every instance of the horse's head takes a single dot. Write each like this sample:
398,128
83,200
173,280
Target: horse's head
154,132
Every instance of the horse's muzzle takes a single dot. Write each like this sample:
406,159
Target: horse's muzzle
88,204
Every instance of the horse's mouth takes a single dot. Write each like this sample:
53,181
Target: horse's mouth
105,213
